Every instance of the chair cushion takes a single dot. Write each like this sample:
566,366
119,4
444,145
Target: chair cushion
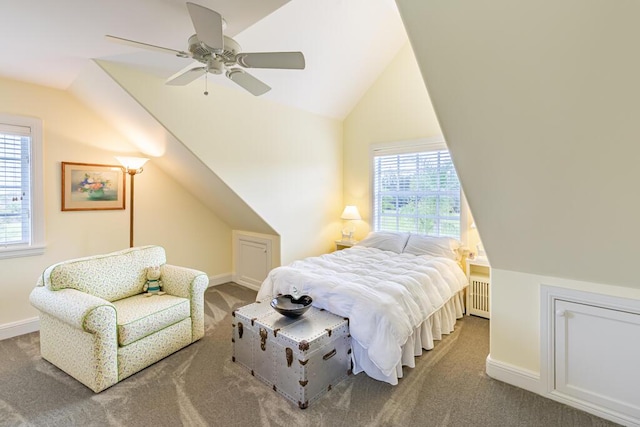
140,315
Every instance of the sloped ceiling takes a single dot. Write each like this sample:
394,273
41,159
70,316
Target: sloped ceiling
347,44
538,102
132,120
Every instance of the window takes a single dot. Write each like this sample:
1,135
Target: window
21,197
416,189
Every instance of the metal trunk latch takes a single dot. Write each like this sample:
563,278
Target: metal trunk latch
263,339
289,354
329,355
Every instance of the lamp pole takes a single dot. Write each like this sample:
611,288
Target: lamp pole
133,166
132,173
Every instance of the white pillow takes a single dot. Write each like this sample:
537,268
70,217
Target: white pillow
434,246
385,241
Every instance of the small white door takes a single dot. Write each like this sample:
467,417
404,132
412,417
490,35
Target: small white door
597,355
253,261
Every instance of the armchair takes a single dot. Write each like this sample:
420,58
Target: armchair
98,326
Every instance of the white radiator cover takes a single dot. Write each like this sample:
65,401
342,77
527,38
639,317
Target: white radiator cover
479,298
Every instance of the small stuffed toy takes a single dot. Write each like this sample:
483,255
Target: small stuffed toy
153,285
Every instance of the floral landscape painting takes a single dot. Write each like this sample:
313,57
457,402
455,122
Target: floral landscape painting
92,187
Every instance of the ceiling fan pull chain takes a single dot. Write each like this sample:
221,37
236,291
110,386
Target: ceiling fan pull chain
206,82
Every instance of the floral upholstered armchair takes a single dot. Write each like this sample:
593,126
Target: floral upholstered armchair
97,325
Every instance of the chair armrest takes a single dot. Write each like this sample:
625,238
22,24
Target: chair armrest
73,307
183,282
187,283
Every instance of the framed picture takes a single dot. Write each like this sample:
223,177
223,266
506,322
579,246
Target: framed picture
90,187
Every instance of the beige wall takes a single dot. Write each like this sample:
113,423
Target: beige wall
396,108
539,104
165,213
285,163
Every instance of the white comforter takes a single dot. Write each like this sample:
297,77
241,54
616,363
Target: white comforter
385,295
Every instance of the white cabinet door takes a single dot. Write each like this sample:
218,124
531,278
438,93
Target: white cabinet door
253,261
597,355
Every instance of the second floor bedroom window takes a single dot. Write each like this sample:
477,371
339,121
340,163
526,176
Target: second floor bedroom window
416,191
21,200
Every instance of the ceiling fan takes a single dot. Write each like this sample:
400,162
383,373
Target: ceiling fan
220,54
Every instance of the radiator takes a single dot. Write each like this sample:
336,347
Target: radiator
478,297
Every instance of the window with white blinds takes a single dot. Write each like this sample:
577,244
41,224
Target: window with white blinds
416,191
21,216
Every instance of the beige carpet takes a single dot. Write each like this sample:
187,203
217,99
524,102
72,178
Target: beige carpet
201,386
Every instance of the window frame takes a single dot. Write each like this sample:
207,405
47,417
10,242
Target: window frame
407,147
36,245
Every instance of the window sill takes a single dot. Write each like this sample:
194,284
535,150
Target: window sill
21,251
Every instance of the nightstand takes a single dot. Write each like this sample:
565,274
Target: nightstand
479,277
343,244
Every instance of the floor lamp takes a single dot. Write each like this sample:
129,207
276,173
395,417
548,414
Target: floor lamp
133,166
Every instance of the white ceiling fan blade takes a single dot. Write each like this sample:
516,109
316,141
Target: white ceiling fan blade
148,46
247,81
281,60
182,78
208,26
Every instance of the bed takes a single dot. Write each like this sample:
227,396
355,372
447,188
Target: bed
400,292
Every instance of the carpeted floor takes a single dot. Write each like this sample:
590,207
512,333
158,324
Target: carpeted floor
201,386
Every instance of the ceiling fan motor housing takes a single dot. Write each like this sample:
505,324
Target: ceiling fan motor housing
203,53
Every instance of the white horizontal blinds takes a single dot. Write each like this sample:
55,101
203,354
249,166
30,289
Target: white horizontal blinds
417,192
15,193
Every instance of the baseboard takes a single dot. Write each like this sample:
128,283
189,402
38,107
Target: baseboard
220,279
596,410
21,327
514,375
530,381
246,284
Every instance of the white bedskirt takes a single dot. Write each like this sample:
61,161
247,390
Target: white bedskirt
442,322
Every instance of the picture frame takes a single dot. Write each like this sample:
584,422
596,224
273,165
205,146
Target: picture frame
92,187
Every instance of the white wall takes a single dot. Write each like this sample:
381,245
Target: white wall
285,163
397,107
165,213
538,102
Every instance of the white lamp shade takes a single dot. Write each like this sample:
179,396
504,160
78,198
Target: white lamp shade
132,163
350,212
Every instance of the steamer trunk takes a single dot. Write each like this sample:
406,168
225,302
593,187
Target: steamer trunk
301,358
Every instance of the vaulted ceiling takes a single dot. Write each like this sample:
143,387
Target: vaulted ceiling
347,43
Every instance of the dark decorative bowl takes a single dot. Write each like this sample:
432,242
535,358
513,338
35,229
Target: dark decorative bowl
289,306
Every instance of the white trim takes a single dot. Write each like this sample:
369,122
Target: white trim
246,284
548,297
413,146
37,244
513,375
408,146
596,410
21,327
21,251
531,381
220,279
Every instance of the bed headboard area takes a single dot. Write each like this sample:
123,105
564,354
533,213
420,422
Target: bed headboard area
417,244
